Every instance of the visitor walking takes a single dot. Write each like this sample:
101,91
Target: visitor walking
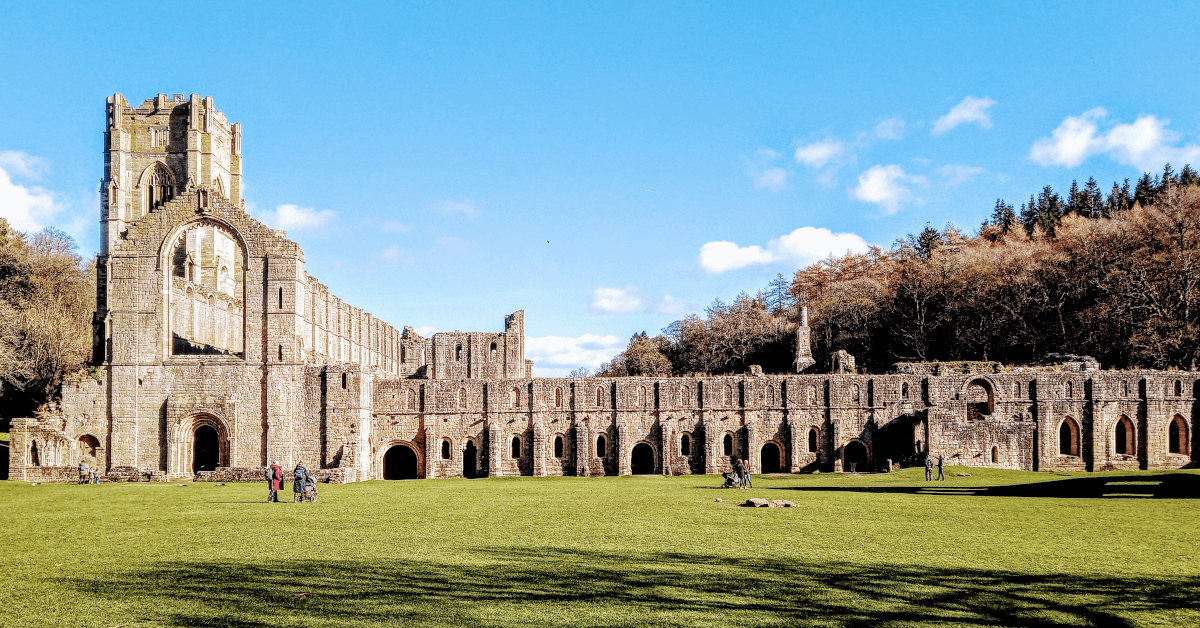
299,478
274,481
746,474
928,468
941,475
83,474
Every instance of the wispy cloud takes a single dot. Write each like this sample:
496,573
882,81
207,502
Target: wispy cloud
556,356
296,218
885,186
465,207
890,129
629,300
820,154
27,208
762,171
970,110
1146,143
956,174
802,246
396,256
393,226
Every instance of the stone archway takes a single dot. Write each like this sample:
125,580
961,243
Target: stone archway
470,457
400,463
771,459
641,459
206,449
199,442
855,457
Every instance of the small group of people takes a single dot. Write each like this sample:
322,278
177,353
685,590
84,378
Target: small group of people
739,476
304,484
929,468
86,475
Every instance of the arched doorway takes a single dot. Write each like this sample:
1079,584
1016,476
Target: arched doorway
642,460
1123,438
854,457
469,463
206,449
770,458
400,463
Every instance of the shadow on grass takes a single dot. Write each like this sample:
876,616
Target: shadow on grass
1165,486
563,587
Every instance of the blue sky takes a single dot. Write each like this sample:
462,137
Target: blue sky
607,167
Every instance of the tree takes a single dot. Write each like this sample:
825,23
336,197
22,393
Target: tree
1003,216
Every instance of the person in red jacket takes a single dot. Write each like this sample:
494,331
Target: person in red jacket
275,481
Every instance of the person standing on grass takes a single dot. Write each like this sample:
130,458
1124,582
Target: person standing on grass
941,475
299,478
274,481
928,468
83,477
746,474
736,464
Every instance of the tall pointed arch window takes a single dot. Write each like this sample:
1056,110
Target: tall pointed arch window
160,187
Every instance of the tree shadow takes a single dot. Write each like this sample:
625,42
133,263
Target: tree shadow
1164,486
574,587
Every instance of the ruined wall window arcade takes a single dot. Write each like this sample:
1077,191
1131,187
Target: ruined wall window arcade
1124,437
812,440
1177,436
1068,438
558,446
728,445
516,447
685,445
445,450
600,446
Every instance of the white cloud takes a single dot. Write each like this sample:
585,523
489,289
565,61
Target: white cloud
1146,143
398,256
426,330
26,208
629,300
819,154
393,226
295,218
555,356
21,164
956,174
466,207
884,186
802,246
762,173
890,129
971,109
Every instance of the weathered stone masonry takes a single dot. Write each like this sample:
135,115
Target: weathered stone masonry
219,354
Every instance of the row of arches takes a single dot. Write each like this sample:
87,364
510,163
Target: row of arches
1124,437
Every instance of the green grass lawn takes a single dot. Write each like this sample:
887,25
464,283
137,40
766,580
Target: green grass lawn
998,548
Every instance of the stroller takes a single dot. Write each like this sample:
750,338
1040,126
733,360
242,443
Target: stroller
310,488
731,481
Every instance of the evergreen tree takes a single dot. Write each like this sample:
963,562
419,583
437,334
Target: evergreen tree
1003,215
1146,191
1188,177
778,295
1093,204
1075,203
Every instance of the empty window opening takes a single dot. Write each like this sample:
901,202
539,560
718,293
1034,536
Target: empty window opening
812,440
1070,390
854,393
1177,436
600,451
772,459
599,396
1178,388
400,463
343,380
34,458
1124,437
160,191
492,353
979,400
1124,389
995,454
470,457
641,460
458,353
728,445
558,447
281,298
514,397
445,450
557,397
403,353
516,447
1068,438
904,390
685,445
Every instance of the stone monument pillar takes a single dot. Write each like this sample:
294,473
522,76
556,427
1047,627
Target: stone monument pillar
804,357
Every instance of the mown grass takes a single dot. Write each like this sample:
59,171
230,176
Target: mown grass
998,548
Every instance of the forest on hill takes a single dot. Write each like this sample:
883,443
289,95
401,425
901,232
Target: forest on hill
1115,276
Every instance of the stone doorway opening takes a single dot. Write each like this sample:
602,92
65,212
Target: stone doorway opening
770,459
642,460
400,463
469,464
206,449
854,457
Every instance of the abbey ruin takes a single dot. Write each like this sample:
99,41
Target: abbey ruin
216,353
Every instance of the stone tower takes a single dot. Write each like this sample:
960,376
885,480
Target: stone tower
804,357
154,152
